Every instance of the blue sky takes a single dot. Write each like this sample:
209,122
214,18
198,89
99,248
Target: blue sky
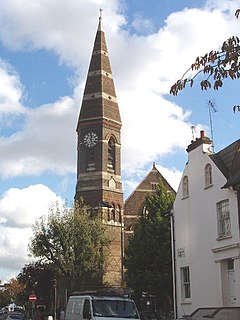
45,48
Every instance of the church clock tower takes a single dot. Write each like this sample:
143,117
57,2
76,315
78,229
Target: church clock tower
99,154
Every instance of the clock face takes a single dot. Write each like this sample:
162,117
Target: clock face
90,139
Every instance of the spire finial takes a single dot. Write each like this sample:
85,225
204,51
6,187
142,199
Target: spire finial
100,19
100,13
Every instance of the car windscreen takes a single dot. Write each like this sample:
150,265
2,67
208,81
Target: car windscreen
114,308
15,317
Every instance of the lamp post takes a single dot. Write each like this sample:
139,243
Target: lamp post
105,204
55,298
172,226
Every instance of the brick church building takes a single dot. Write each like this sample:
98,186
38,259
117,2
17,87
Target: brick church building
99,160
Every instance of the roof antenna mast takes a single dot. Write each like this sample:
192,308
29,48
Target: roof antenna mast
193,128
211,108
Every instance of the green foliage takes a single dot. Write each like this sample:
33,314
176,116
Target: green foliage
160,202
36,277
216,66
11,293
72,241
148,256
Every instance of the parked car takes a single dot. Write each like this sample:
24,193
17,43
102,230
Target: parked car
4,310
15,316
97,306
144,315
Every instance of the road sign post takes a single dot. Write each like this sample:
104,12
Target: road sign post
32,298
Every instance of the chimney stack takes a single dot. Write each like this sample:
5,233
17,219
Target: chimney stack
199,141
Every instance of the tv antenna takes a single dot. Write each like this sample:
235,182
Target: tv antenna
193,128
211,108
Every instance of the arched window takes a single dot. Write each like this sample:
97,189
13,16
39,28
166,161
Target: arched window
208,175
119,211
185,186
109,215
111,154
113,214
144,212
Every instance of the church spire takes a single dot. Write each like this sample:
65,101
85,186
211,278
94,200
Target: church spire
100,87
99,152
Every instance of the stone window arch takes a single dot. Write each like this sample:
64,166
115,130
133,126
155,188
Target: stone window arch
111,154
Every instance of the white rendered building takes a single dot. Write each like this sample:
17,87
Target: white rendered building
206,228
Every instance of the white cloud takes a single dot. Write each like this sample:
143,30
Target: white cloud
46,143
13,247
228,7
141,24
10,90
148,128
19,209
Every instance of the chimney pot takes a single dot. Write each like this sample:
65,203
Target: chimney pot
202,133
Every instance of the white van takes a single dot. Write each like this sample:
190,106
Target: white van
100,307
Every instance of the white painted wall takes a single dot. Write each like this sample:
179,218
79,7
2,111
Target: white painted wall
196,230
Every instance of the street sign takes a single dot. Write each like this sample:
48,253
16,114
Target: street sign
32,297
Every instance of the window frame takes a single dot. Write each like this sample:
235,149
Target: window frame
208,175
223,219
111,154
185,283
185,187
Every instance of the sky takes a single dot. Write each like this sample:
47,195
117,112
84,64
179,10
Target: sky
45,50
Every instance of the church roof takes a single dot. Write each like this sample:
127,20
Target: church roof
136,199
99,98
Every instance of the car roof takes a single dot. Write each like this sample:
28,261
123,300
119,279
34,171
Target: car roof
103,297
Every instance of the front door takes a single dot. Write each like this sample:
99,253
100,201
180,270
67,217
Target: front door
231,283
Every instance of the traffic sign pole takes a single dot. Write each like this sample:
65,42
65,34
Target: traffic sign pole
32,298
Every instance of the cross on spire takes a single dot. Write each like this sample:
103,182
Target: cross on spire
100,19
100,13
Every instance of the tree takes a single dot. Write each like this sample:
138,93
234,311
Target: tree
11,293
36,277
216,66
72,241
148,256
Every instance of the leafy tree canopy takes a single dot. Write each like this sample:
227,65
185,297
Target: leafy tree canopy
216,66
71,240
148,256
11,293
36,277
